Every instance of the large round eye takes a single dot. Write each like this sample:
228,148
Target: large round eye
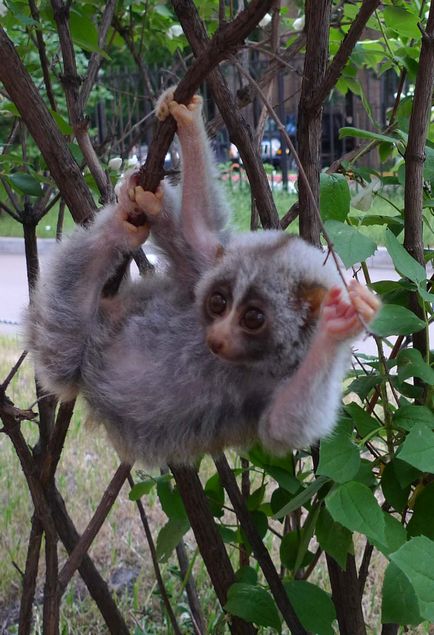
253,319
217,303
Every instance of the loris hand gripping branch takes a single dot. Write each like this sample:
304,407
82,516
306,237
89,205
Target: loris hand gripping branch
242,337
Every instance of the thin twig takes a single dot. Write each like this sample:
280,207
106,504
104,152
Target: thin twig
157,571
12,373
94,525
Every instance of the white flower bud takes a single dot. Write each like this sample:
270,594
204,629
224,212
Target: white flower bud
299,23
115,163
174,31
132,161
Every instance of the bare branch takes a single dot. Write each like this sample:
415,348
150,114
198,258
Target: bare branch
94,525
96,58
71,83
155,564
43,56
239,131
335,69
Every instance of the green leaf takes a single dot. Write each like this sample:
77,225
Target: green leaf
351,245
84,32
313,606
394,494
416,559
303,497
247,575
290,548
365,134
354,506
402,21
163,10
62,124
335,539
396,320
418,448
171,500
141,489
339,457
405,473
399,602
216,495
363,421
25,184
334,197
405,264
422,520
407,416
412,364
256,498
252,604
395,536
170,536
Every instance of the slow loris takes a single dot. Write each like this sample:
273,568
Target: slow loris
243,337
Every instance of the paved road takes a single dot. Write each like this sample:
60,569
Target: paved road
14,294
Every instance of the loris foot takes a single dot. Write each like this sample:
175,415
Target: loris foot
162,107
185,116
343,320
134,207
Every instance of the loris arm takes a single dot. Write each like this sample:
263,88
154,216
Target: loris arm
305,406
203,209
64,309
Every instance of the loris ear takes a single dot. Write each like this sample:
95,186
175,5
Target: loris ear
313,295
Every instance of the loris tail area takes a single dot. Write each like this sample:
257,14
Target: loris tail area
240,337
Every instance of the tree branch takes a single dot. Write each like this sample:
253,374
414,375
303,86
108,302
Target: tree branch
94,526
336,67
238,128
50,141
224,42
261,553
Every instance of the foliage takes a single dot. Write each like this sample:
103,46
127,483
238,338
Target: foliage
371,483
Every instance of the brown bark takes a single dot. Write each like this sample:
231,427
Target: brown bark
309,132
414,162
346,597
261,553
64,170
208,539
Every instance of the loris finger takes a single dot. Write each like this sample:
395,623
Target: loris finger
149,202
358,290
364,309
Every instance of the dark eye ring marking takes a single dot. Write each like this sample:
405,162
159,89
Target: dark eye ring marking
216,303
253,319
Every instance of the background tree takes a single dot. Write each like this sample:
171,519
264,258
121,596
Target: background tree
79,83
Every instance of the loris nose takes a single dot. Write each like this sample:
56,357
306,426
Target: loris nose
215,345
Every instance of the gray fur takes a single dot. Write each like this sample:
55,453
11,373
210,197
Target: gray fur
141,360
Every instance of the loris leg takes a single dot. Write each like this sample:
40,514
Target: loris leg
305,406
202,207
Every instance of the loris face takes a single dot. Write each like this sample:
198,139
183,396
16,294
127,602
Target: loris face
261,300
237,329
